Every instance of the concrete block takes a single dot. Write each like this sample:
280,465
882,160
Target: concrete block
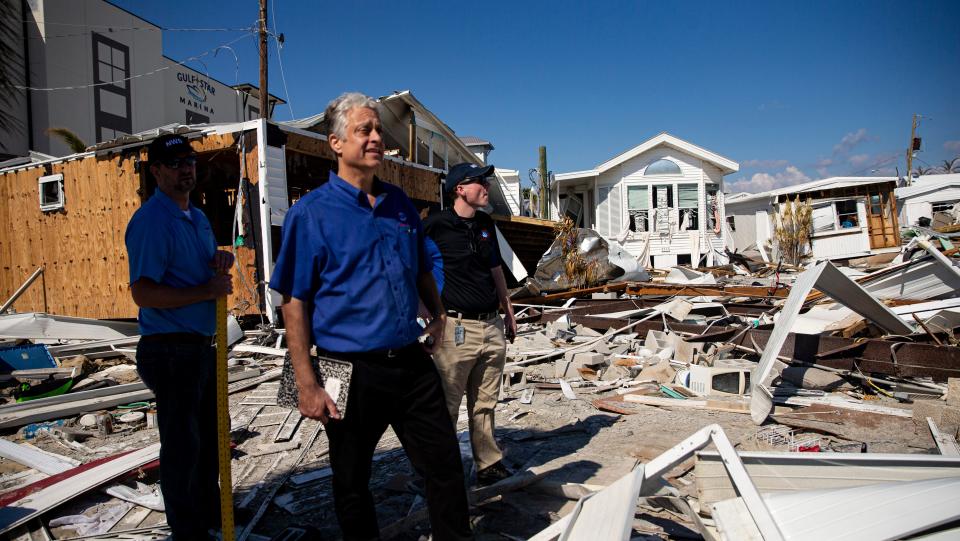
953,392
947,417
582,359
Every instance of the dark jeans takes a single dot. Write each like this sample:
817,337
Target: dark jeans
183,379
405,393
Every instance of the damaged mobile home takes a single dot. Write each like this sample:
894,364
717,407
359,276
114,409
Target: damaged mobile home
70,213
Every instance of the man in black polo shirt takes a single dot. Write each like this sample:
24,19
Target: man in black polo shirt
473,288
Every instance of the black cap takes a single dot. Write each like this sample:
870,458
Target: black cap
463,172
166,147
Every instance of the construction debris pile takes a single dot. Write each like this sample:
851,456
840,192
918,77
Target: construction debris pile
730,402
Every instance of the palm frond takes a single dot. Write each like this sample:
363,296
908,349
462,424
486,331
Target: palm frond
72,140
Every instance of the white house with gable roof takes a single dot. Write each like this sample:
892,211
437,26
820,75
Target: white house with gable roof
663,200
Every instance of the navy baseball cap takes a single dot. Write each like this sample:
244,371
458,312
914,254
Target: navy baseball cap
463,172
168,146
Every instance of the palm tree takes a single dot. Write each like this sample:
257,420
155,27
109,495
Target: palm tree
951,166
921,170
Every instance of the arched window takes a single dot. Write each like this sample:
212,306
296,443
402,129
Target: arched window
662,167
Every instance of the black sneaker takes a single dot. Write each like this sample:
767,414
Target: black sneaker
492,474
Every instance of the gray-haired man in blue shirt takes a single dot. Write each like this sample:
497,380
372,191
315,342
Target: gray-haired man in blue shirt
351,268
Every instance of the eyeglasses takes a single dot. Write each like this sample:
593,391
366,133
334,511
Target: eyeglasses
477,180
176,163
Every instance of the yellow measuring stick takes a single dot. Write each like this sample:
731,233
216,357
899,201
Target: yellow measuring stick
223,425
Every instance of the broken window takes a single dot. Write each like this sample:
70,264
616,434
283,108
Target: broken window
835,216
689,206
847,213
943,206
732,223
638,206
713,208
51,192
664,201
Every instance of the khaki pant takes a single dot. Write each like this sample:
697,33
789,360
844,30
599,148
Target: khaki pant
474,367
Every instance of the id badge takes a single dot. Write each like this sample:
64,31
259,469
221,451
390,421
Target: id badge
459,335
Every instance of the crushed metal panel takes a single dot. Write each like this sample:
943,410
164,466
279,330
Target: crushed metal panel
917,279
849,293
609,513
650,479
825,277
37,459
774,472
37,503
885,511
40,326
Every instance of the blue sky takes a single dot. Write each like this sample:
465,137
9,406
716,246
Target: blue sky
792,91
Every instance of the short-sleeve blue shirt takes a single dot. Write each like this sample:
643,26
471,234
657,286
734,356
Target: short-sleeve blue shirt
171,249
355,266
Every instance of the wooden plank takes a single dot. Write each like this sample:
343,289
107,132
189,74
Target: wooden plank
289,426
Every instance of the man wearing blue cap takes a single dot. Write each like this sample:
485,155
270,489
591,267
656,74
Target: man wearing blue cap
472,287
176,275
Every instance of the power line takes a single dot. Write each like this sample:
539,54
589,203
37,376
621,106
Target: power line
152,72
273,10
118,28
112,30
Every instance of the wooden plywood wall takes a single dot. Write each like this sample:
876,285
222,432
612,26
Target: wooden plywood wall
80,246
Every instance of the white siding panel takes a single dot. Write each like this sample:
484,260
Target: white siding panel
276,180
841,244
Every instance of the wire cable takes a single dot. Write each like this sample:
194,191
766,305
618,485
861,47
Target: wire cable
152,72
279,46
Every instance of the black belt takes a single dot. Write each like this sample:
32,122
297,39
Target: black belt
479,316
178,338
375,355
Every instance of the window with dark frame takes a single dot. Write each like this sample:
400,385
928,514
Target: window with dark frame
51,192
111,95
638,208
943,206
687,202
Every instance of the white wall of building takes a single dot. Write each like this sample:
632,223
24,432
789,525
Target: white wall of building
65,57
611,191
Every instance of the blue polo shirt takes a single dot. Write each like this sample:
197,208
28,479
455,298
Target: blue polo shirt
355,266
166,246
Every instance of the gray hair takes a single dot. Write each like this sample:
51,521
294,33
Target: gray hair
336,112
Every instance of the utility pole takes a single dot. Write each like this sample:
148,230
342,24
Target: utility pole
264,94
544,185
911,148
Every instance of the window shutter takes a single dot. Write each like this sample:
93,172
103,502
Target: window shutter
603,211
616,211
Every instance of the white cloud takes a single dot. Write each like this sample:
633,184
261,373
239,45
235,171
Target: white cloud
858,160
851,140
952,146
761,182
765,164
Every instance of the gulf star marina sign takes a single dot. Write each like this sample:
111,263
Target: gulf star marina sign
196,90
